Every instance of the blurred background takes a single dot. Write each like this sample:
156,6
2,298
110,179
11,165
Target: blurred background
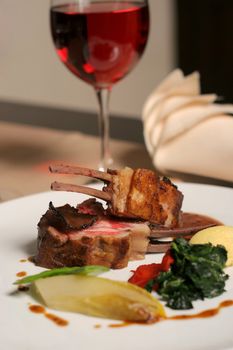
37,89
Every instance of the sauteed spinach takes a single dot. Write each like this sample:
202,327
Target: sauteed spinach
197,273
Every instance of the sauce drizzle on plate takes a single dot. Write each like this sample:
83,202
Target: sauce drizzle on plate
205,313
21,274
202,314
38,309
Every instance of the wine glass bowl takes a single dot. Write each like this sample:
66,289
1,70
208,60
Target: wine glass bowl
100,41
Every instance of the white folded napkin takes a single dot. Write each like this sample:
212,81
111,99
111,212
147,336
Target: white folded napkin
187,132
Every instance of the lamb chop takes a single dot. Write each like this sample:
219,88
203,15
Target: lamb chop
135,194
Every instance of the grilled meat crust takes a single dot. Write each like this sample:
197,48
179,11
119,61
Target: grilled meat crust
170,200
143,196
141,193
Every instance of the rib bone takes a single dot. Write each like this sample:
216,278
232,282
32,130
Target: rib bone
75,170
176,232
59,186
131,193
158,247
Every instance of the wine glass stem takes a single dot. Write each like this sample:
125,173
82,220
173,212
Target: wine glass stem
103,96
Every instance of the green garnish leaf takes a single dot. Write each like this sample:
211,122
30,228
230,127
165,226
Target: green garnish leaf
92,270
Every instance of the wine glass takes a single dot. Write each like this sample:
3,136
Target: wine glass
100,41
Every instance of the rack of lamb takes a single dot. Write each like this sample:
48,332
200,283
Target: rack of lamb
140,208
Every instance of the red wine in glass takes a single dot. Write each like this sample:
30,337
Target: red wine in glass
100,42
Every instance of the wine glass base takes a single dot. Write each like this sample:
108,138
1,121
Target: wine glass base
105,166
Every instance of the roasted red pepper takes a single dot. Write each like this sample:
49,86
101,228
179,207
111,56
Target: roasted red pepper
146,273
167,261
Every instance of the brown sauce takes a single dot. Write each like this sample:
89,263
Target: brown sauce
203,314
21,274
193,220
56,319
123,324
38,309
23,260
97,326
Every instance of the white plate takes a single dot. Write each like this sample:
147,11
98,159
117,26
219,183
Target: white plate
23,330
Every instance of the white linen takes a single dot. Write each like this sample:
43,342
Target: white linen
186,131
